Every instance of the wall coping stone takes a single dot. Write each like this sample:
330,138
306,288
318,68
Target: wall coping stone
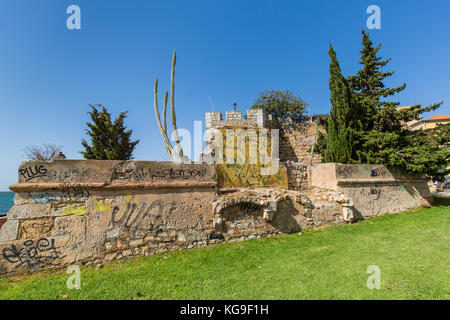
39,187
375,181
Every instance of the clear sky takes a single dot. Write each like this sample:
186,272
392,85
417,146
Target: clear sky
229,50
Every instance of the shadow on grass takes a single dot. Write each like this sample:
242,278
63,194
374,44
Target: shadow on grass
441,202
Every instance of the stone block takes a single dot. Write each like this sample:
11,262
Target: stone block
9,231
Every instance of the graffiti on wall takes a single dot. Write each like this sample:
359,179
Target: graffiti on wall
35,228
176,174
169,174
248,175
248,207
64,192
33,254
136,216
43,198
344,171
73,192
75,211
378,172
30,173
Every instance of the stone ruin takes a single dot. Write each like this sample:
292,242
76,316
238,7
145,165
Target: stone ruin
90,212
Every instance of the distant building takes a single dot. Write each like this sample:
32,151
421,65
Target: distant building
429,123
432,122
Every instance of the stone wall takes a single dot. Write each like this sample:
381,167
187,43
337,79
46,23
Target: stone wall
243,213
374,189
295,140
85,211
73,211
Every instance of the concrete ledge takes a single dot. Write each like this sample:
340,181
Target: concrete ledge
38,187
373,188
378,181
112,175
332,175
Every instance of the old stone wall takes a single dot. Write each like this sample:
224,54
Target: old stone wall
105,225
243,213
72,211
295,140
85,211
374,189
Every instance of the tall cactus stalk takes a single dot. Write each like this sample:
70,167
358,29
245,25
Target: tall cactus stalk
172,105
169,148
164,119
163,127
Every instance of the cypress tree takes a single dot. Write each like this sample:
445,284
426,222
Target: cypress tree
343,125
110,141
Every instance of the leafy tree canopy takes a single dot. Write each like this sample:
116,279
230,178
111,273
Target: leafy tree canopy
283,104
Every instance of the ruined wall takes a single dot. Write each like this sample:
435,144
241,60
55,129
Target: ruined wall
245,213
295,142
68,211
242,135
374,189
86,211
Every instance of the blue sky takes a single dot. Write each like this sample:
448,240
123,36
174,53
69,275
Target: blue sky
229,50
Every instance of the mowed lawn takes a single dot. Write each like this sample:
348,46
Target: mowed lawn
412,249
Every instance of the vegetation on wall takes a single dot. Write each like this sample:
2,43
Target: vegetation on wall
46,152
110,140
283,104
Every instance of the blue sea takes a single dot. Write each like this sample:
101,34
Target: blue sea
6,201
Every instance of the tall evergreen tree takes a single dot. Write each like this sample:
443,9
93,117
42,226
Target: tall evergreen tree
386,139
343,125
368,83
110,141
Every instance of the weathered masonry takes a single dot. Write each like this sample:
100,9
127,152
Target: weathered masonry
374,189
87,211
73,211
70,211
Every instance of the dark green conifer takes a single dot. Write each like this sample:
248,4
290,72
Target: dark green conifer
110,141
343,125
386,138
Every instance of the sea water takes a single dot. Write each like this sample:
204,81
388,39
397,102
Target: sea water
6,201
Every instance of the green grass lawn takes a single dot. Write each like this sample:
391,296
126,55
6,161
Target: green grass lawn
412,250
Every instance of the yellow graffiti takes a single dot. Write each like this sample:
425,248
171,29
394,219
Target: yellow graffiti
244,172
74,211
100,206
128,198
248,175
